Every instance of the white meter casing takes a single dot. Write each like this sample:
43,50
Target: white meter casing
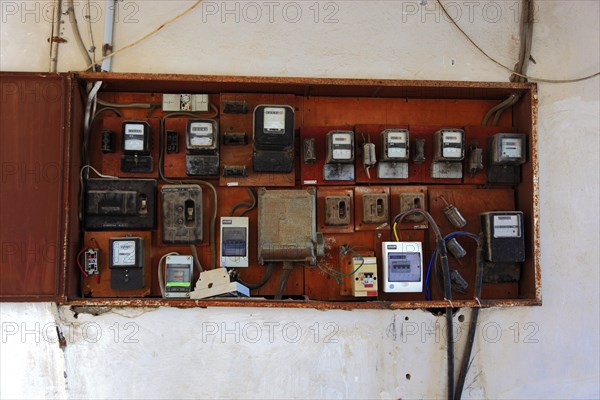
340,147
178,276
234,242
448,145
402,267
201,135
395,145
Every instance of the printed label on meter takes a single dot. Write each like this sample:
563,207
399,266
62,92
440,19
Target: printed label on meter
452,144
507,226
134,137
342,146
274,120
512,148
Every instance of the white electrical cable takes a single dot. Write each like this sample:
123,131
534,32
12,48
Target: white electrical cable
109,24
97,173
161,279
54,38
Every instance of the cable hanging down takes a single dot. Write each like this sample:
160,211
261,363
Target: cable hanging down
545,80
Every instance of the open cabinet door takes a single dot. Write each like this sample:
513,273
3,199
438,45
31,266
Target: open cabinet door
34,148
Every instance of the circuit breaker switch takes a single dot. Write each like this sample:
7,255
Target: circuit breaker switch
364,280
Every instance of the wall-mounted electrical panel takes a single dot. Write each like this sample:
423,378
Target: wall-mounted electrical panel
290,187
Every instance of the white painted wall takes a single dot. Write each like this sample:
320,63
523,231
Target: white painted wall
185,353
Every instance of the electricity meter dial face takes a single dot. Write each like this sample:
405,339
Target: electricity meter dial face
508,148
511,148
341,146
452,145
274,120
136,137
123,253
126,252
395,144
201,134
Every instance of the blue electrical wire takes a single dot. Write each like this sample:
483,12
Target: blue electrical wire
434,254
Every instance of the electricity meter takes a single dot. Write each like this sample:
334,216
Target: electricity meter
448,153
339,165
507,153
508,148
402,267
503,236
448,145
136,137
234,242
202,147
273,138
394,145
201,135
340,147
178,276
126,262
394,154
136,147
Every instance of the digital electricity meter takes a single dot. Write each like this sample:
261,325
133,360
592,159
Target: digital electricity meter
340,147
395,145
136,137
448,145
202,147
273,138
126,262
178,276
234,242
402,267
201,135
508,148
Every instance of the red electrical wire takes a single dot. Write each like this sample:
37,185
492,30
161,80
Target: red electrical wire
79,261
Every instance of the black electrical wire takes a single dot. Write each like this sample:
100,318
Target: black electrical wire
287,269
239,205
466,362
254,202
263,281
443,255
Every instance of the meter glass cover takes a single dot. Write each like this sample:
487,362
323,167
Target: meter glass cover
342,146
123,253
396,143
404,267
512,147
274,120
234,242
452,144
178,273
201,134
507,226
134,137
